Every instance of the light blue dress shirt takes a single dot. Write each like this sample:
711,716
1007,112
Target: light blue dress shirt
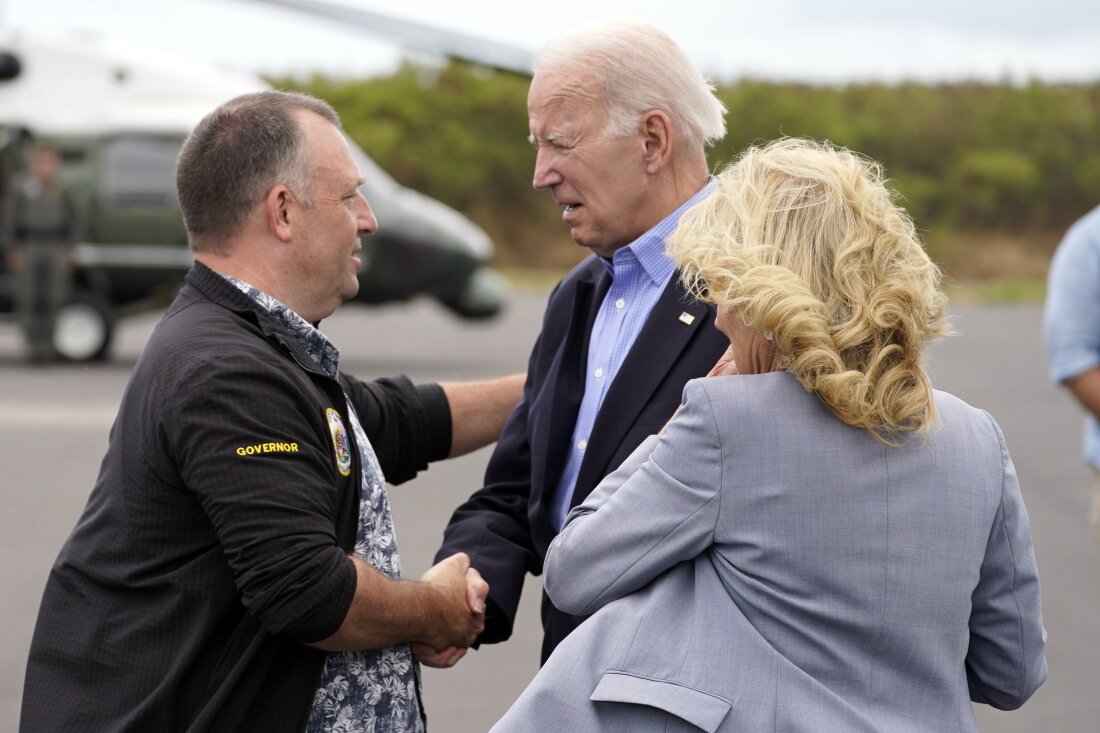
639,271
1071,320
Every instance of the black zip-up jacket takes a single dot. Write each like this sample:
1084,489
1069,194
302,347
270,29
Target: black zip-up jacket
214,544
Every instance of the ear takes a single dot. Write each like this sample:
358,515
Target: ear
657,134
277,213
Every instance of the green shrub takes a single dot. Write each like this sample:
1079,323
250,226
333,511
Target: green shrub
965,156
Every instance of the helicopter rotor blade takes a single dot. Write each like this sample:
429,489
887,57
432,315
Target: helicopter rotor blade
470,48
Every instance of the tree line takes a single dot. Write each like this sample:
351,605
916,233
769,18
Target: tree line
1009,160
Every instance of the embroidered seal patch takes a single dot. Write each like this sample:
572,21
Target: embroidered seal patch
339,441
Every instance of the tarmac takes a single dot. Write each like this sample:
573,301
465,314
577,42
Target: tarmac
54,425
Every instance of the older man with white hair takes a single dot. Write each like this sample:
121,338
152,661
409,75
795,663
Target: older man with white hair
620,119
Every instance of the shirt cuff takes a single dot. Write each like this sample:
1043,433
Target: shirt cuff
1066,367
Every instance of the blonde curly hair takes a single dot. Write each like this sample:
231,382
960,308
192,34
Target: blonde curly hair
804,240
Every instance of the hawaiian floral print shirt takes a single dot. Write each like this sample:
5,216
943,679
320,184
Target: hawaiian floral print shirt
374,691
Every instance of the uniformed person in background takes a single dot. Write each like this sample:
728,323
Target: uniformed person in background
14,144
40,228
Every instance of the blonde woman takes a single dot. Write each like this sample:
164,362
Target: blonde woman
819,541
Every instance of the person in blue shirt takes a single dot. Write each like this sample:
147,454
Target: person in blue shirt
1071,330
620,119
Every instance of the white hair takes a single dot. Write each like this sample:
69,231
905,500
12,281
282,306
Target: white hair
640,68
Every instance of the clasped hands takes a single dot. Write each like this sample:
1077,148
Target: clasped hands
465,591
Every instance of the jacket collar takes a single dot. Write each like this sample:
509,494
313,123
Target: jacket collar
674,320
214,287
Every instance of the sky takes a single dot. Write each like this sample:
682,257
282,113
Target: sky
786,40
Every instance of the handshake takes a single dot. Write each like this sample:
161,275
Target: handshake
441,615
461,612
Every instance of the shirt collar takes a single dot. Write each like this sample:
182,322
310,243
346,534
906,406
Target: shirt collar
315,343
649,250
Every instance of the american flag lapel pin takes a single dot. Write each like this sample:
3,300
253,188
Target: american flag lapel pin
686,318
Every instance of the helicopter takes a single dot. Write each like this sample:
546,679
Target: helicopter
118,117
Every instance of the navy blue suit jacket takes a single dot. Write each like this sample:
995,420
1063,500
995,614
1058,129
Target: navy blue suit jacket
505,527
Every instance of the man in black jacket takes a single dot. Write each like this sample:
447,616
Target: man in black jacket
235,567
620,119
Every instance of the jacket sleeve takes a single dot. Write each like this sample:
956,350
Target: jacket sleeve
253,451
1005,663
657,510
408,426
492,526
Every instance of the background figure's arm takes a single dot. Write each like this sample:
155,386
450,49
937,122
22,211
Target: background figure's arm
639,523
1071,316
479,410
75,217
7,227
1086,388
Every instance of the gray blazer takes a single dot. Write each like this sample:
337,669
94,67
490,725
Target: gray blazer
765,567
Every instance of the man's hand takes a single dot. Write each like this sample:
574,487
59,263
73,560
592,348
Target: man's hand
476,591
442,659
462,593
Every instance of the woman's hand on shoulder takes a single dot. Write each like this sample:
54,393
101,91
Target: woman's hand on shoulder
725,365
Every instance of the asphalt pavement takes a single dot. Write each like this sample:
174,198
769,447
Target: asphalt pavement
55,421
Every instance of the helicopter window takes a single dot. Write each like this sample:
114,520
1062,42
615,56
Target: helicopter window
140,171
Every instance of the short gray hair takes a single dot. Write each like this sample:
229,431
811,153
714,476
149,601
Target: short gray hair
640,68
235,155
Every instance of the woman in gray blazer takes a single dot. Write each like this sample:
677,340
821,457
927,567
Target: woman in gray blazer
818,541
